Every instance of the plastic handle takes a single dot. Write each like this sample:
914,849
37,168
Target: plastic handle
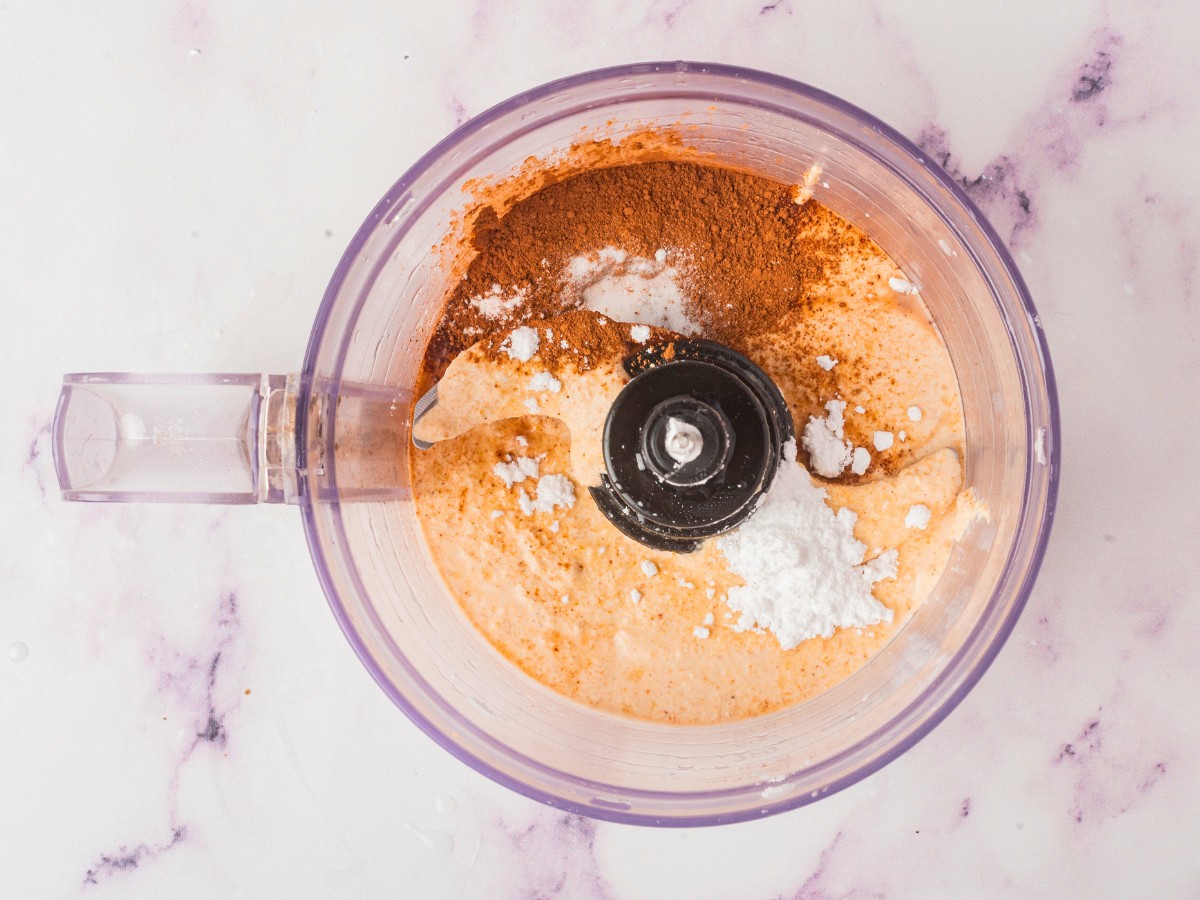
177,438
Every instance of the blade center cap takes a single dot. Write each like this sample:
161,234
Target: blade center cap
686,442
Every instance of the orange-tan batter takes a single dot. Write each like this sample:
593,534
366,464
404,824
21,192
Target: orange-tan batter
568,598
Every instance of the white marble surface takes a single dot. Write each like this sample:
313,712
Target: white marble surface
181,716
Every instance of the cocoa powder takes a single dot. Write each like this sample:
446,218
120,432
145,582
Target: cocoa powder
752,254
581,338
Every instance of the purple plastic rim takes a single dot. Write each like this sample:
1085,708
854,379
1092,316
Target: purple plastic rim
932,717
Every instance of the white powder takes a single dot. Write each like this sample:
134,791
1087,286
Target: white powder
828,453
497,513
495,305
516,470
901,286
531,404
902,434
918,516
544,381
802,566
709,593
708,619
521,344
862,459
826,362
522,440
554,526
640,333
636,596
700,632
552,491
914,413
883,440
660,255
631,289
860,410
649,569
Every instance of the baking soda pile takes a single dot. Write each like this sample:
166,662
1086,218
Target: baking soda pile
804,571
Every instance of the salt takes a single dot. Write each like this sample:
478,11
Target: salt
640,333
649,569
882,440
826,362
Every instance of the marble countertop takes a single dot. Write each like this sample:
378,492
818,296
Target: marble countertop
182,717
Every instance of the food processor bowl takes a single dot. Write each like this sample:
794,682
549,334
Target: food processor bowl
378,314
335,439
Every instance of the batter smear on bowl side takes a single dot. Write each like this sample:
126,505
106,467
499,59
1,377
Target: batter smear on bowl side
586,272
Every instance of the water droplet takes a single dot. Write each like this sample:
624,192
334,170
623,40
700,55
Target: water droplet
439,842
446,804
18,651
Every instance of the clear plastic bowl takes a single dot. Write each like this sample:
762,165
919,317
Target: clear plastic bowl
378,313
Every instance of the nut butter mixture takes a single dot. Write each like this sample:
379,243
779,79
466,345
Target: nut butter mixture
565,284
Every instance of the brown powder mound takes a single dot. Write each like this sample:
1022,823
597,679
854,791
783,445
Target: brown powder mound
749,251
589,338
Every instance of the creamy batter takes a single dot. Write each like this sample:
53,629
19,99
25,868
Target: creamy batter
572,602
